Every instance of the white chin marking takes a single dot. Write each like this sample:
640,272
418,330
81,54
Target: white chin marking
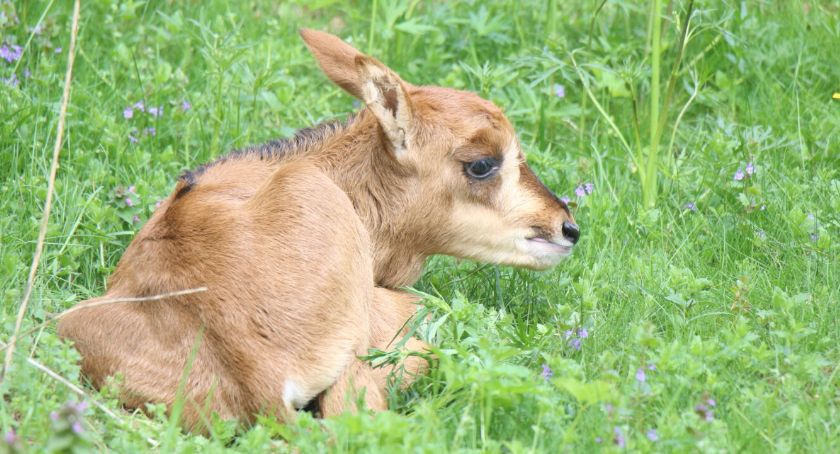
542,253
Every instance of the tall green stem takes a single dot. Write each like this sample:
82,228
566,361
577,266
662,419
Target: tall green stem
649,188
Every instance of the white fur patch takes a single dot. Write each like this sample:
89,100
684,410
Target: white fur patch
292,394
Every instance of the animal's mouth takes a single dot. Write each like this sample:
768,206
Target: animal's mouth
543,250
547,246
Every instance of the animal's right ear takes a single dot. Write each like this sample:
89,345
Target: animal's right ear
364,77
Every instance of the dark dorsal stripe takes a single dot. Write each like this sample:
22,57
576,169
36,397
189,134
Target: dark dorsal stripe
303,141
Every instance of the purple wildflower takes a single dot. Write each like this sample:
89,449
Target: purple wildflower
150,131
27,73
132,139
739,175
10,54
598,440
575,343
651,366
185,105
711,402
132,189
565,199
704,412
574,337
139,106
589,188
618,439
129,202
641,377
128,113
691,206
12,81
54,415
58,50
77,427
560,91
652,435
10,437
750,169
155,111
580,191
547,373
158,203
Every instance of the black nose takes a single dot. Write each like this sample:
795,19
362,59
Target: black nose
571,231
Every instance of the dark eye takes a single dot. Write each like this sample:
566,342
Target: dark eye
482,168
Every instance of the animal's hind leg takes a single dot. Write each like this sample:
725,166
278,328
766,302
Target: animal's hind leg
151,358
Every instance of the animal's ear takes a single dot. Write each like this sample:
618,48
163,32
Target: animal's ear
368,80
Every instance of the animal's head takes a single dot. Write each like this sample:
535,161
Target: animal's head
475,195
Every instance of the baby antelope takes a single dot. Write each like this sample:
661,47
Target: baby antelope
302,244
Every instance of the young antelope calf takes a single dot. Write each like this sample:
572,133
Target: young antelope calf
300,243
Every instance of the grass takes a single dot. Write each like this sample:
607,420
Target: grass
731,301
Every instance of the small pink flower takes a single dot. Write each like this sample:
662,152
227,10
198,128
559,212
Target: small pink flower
185,105
128,113
739,175
641,377
580,191
560,91
129,202
135,219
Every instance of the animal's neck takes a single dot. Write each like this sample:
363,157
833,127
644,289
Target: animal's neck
357,160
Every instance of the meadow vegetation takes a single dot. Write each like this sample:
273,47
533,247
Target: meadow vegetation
699,311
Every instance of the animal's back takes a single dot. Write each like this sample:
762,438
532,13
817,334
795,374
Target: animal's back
287,265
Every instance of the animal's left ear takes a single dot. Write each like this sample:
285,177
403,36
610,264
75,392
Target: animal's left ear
367,79
387,97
